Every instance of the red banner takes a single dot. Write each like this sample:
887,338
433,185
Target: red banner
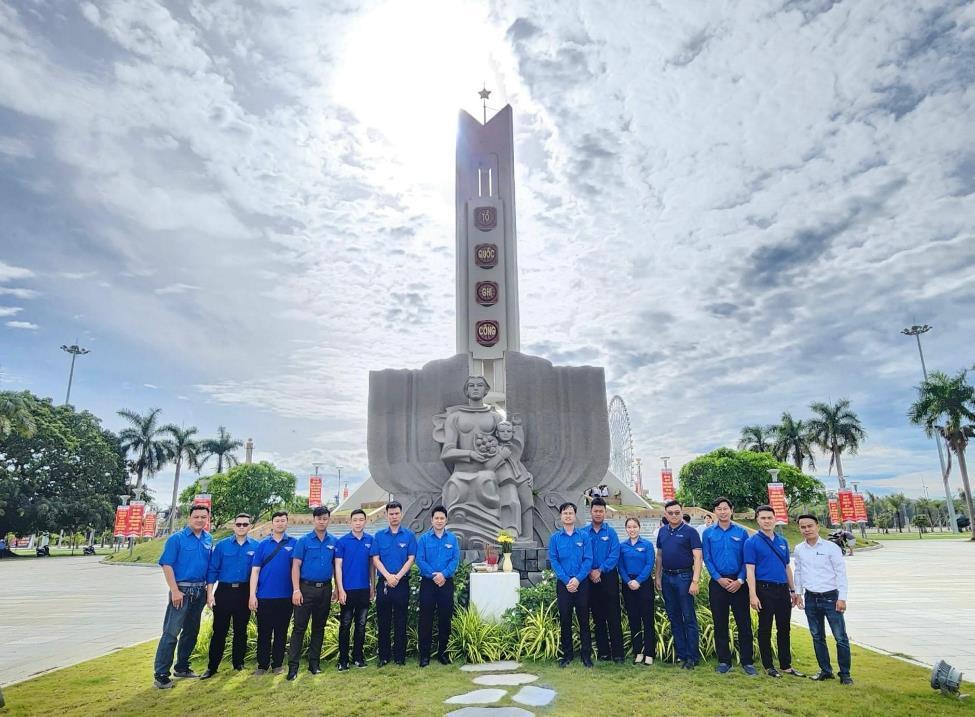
834,511
207,500
133,527
667,483
776,499
847,508
149,526
121,521
859,508
314,491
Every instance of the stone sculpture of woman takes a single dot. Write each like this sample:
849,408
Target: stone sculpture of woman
471,494
514,480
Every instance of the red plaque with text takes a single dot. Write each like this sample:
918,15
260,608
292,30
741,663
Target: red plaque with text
486,293
485,218
834,511
667,483
847,508
488,332
776,499
486,255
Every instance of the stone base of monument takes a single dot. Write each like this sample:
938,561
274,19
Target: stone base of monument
528,563
493,593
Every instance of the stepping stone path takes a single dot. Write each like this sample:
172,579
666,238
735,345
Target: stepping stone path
516,678
500,673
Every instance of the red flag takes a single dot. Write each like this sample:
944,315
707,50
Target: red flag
667,483
314,491
776,499
859,508
149,526
121,521
834,511
847,508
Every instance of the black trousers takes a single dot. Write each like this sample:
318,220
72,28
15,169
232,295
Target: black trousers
230,605
273,616
640,615
723,602
604,603
392,605
356,609
316,602
440,598
578,601
776,603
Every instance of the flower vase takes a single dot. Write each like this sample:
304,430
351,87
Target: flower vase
506,565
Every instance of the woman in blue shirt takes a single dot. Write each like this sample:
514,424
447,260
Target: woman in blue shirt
636,574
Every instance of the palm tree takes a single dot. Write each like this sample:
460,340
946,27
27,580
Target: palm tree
897,501
757,439
182,446
222,447
15,416
145,438
836,429
945,407
792,441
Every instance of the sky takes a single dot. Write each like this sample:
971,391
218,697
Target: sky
241,209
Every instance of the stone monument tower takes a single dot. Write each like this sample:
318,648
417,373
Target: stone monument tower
499,437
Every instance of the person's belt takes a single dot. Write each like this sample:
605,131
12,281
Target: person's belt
188,584
828,593
678,571
767,583
733,576
236,585
316,583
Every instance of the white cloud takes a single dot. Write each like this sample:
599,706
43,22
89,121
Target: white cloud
19,293
10,310
10,273
176,289
150,385
23,325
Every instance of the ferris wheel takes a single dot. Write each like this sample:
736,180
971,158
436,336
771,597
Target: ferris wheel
621,441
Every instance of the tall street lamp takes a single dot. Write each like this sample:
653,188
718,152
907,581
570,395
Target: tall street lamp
916,331
75,350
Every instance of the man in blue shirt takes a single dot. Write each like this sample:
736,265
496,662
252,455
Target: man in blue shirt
724,557
678,570
270,594
184,560
437,556
355,576
393,553
772,590
570,555
229,573
604,587
312,565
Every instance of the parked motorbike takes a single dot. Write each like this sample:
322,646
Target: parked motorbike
43,552
89,550
840,538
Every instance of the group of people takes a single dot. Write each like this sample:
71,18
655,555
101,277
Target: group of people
281,577
756,572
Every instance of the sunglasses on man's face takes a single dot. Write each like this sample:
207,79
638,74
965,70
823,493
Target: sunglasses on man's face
243,525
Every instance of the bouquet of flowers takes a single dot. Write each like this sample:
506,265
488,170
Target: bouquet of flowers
505,541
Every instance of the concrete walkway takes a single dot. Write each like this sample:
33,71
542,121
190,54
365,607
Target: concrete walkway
915,599
56,612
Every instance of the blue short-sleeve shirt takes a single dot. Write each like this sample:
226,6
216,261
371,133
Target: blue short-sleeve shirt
636,560
188,555
354,553
677,546
724,551
231,561
763,553
317,556
274,580
394,549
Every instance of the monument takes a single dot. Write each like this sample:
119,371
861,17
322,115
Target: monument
499,437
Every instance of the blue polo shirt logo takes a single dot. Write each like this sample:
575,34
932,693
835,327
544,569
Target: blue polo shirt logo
578,545
605,537
251,553
402,545
448,545
736,538
288,547
640,550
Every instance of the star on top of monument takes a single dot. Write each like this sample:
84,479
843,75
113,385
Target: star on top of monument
484,93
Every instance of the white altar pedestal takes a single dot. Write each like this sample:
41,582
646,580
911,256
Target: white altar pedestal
493,593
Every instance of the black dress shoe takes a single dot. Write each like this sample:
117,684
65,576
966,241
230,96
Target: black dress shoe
793,672
424,661
207,674
238,668
820,676
315,669
292,674
443,660
401,663
618,660
343,666
360,664
382,663
564,662
586,662
772,672
846,680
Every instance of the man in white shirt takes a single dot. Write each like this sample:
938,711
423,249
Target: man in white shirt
820,578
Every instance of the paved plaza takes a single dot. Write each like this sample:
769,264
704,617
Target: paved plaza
61,611
914,599
909,598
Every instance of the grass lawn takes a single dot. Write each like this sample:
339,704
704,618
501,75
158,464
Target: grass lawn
120,684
